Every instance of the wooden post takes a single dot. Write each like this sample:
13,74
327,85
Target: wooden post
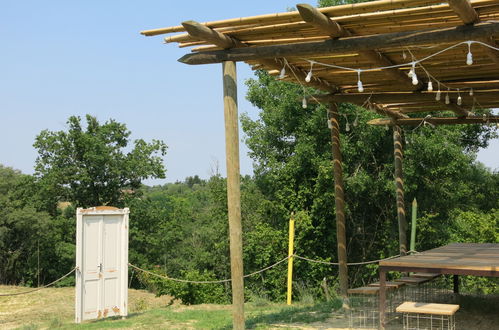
233,191
382,298
339,201
455,281
290,256
413,224
399,185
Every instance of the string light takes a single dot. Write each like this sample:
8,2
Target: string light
414,76
304,103
356,121
469,57
309,75
438,96
360,87
447,99
459,98
471,92
430,86
283,72
404,56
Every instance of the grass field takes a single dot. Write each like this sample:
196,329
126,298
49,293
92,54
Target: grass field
54,308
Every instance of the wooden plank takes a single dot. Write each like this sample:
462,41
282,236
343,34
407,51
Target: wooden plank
464,10
397,39
202,32
388,284
427,308
412,280
367,290
435,121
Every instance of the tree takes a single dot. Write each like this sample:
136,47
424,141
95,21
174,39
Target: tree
291,149
90,167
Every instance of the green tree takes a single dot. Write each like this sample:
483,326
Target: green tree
291,149
90,166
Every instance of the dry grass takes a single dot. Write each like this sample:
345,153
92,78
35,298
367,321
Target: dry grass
52,305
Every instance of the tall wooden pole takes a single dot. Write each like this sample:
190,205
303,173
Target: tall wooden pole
290,256
339,200
399,186
233,191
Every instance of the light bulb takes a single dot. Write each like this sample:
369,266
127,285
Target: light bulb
447,99
347,127
469,58
430,86
438,96
360,87
329,124
387,128
356,121
471,92
459,100
283,73
304,103
415,79
410,73
309,76
404,55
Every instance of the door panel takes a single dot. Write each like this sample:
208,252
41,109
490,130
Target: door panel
110,265
92,238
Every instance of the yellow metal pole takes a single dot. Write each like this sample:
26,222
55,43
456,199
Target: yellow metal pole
290,255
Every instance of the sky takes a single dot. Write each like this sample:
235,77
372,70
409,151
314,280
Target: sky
60,58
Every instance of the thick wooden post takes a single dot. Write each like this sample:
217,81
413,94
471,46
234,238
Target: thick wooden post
339,200
399,186
233,191
382,298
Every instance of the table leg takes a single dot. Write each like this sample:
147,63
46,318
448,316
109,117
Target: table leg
382,298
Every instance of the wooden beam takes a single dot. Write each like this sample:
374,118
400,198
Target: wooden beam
379,41
387,112
402,98
313,16
202,32
434,121
464,10
398,153
339,200
392,98
233,192
322,22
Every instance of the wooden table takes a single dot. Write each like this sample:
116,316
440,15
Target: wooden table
477,259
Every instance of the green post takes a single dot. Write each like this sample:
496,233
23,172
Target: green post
413,224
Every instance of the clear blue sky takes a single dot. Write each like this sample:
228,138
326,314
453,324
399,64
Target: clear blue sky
63,58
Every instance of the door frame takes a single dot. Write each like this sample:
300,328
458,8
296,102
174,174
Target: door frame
79,296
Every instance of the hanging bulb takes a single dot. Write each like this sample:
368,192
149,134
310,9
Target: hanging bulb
438,96
329,124
430,86
283,72
309,76
469,57
459,100
413,75
447,99
415,79
347,127
471,92
404,55
387,128
356,121
360,87
304,103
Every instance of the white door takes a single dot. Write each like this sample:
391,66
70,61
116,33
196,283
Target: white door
101,284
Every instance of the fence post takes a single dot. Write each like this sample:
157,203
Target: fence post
413,224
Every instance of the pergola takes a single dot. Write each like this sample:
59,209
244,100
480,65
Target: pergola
401,57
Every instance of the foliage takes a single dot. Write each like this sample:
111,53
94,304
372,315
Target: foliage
291,147
89,166
188,293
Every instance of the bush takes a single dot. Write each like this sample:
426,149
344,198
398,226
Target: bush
189,293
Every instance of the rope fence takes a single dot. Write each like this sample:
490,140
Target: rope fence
263,269
39,288
213,281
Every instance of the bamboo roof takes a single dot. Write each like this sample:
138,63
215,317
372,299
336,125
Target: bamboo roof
336,42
